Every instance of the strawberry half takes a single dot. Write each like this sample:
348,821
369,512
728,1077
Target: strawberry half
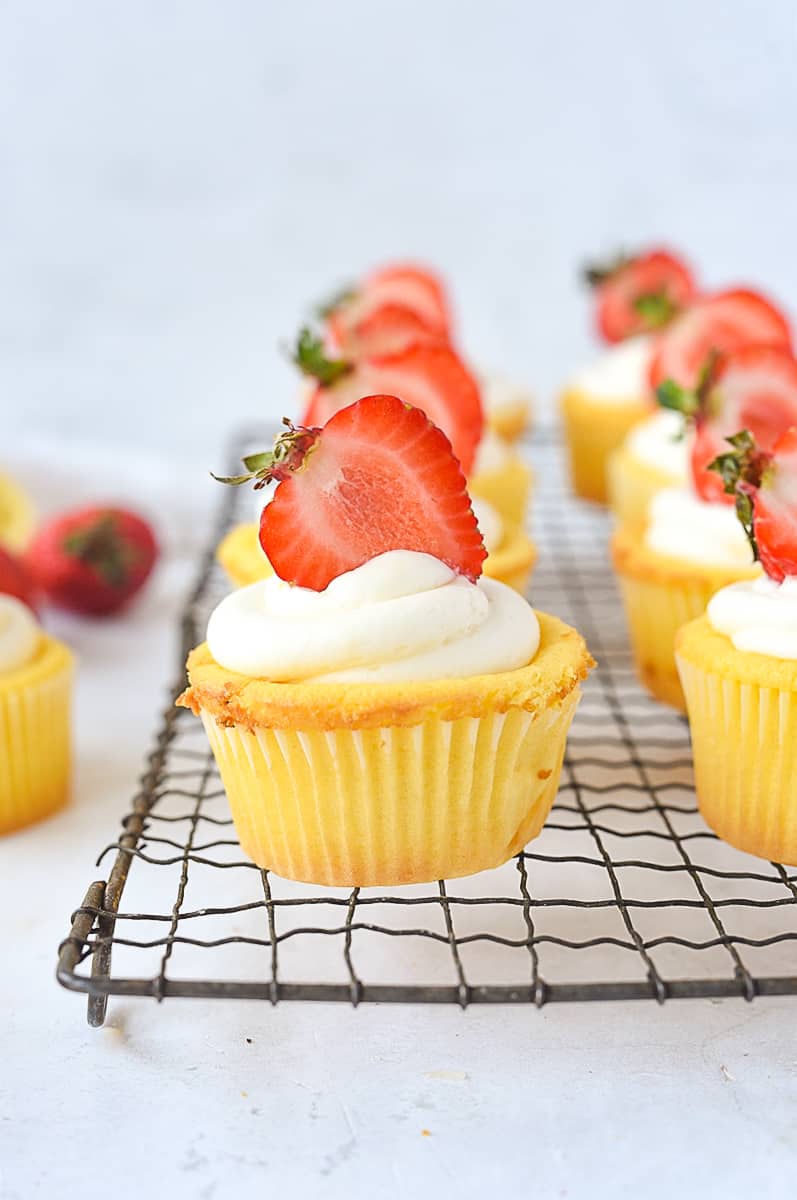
431,377
754,388
764,486
405,284
92,560
379,476
715,325
640,294
387,329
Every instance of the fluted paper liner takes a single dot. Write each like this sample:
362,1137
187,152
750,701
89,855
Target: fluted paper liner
35,753
632,484
385,806
744,740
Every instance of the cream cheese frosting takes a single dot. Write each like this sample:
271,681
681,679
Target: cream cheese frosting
661,441
19,634
403,615
680,525
492,453
620,375
499,391
758,615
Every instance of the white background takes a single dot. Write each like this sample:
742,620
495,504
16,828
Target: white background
178,183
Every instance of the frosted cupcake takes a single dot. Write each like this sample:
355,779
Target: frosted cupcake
634,299
738,666
35,689
17,516
388,716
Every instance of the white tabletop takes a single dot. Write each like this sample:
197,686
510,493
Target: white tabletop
182,181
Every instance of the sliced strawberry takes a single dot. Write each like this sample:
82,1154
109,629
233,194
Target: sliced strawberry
405,284
429,376
640,294
15,579
754,388
379,476
388,329
764,487
715,325
775,510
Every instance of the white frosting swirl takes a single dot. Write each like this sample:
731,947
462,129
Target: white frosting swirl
682,526
490,523
499,391
492,453
19,634
758,615
401,616
660,441
620,375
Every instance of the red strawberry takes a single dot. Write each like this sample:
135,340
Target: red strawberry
431,377
388,329
92,560
718,324
379,476
764,485
637,295
754,388
405,284
16,579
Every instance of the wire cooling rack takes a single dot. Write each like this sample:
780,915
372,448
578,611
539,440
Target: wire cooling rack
626,894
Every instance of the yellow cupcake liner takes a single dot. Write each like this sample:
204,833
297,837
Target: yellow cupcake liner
17,516
632,484
510,421
744,741
506,488
35,750
593,428
242,558
386,806
659,596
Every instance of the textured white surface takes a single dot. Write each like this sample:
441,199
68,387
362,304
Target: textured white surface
177,182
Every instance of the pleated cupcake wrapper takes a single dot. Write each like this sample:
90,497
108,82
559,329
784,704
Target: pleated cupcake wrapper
393,805
655,611
744,740
593,429
35,751
633,484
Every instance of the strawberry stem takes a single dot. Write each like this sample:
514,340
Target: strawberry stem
656,309
311,359
339,299
288,455
742,469
101,546
594,274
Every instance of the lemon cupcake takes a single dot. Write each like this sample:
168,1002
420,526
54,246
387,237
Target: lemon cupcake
654,456
35,687
388,716
599,406
507,405
17,516
510,552
669,568
738,665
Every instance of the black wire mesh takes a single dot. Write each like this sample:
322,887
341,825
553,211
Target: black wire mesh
625,894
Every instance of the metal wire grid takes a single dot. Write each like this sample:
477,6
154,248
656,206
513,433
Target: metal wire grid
624,895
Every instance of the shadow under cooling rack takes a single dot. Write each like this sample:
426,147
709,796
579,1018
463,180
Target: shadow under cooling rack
625,895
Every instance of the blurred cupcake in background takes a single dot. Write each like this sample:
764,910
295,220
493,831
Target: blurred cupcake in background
634,298
17,515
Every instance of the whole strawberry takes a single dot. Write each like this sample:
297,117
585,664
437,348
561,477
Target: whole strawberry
764,485
639,294
92,560
16,579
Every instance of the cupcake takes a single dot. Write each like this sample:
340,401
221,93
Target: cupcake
431,376
654,456
603,401
507,405
380,713
35,686
691,545
738,666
